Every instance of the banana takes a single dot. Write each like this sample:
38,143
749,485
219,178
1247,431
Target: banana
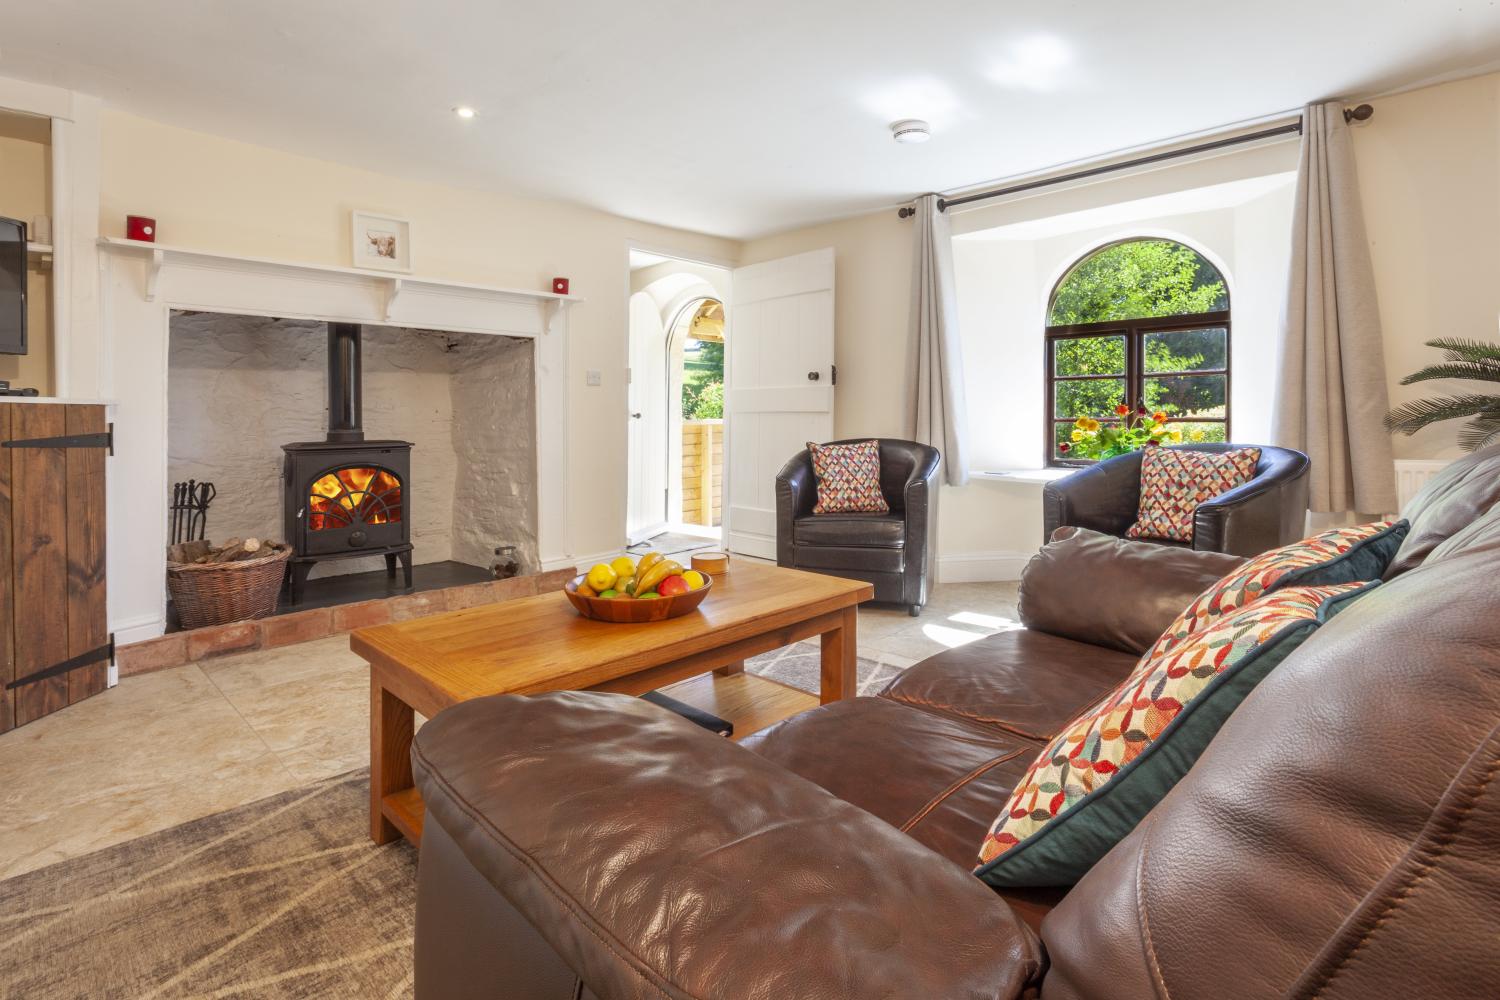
647,561
658,571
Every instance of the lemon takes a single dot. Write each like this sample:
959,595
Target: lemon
694,579
602,577
624,567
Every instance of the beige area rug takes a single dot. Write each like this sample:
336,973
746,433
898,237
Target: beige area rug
800,666
283,898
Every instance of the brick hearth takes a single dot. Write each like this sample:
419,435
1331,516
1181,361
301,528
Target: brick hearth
302,626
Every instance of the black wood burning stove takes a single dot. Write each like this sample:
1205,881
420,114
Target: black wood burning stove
345,496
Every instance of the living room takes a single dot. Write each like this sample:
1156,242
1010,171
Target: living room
976,509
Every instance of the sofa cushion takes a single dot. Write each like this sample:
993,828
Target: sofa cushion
1340,555
1103,773
1134,589
849,559
848,478
1175,482
1456,496
1024,682
941,779
882,531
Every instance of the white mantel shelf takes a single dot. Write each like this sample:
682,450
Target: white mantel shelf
392,285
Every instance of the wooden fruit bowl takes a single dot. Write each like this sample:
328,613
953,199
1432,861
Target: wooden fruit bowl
627,609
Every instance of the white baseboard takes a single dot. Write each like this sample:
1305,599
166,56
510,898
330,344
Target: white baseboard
138,629
982,567
580,562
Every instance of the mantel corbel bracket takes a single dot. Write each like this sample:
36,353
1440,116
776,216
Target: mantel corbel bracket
392,293
153,273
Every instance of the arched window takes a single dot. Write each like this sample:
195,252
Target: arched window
1142,323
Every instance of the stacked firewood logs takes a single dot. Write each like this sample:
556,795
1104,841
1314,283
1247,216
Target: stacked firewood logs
202,552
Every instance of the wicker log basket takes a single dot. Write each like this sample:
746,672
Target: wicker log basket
222,590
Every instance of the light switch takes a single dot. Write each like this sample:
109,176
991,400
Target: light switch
593,377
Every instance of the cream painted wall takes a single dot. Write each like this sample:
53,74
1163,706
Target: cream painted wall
1429,178
1429,165
987,529
212,193
25,193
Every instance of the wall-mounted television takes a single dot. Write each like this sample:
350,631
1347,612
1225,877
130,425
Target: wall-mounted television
12,286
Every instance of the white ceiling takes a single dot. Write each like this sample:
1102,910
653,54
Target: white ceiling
736,119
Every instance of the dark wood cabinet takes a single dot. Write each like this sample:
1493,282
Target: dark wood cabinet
54,633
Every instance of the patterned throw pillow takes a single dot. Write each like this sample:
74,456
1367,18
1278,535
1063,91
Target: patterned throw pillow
848,478
1106,770
1174,483
1341,555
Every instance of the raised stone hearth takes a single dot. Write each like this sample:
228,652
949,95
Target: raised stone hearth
177,648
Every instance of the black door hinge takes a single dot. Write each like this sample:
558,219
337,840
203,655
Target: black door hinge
104,440
835,379
105,652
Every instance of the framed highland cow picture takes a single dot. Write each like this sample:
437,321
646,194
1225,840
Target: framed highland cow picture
380,242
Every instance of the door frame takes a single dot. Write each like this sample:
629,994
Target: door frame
726,265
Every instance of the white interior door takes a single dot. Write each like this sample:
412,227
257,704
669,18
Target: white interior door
646,506
779,387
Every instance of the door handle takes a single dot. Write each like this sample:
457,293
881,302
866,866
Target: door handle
635,416
813,376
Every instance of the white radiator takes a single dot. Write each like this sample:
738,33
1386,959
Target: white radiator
1413,473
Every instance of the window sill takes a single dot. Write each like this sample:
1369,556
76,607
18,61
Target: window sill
1036,476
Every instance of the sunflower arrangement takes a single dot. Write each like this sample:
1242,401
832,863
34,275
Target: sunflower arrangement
1130,431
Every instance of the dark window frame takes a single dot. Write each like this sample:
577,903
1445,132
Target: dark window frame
1134,331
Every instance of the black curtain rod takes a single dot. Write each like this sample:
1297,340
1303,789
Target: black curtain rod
1361,113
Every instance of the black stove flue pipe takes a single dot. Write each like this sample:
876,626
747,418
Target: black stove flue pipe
345,378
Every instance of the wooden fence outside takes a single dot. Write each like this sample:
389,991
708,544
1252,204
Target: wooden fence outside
703,472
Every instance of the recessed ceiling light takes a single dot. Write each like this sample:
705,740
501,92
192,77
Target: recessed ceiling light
464,111
911,130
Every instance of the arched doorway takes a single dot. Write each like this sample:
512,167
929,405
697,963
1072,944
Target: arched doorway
676,400
695,380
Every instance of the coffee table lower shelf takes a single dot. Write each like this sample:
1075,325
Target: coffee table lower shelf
752,703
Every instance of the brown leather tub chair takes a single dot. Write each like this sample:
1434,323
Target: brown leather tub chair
1337,840
892,551
1268,511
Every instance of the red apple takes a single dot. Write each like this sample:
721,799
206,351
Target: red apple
672,586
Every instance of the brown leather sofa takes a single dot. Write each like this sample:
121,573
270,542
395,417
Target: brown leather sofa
1338,839
1268,511
892,551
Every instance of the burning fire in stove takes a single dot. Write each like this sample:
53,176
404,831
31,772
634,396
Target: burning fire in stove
347,497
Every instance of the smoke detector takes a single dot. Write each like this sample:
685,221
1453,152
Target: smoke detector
911,130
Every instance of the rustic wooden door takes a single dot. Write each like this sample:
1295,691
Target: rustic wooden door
54,635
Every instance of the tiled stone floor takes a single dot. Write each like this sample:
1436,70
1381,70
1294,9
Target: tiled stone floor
164,748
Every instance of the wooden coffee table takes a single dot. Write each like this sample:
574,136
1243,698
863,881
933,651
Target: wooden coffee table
542,644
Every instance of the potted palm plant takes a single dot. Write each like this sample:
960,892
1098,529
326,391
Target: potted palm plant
1462,359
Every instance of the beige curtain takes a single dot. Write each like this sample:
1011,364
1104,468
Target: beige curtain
1331,395
936,414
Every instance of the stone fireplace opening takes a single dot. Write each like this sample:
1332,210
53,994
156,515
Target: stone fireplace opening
361,446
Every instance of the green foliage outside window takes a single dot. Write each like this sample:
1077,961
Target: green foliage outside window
703,380
1135,280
